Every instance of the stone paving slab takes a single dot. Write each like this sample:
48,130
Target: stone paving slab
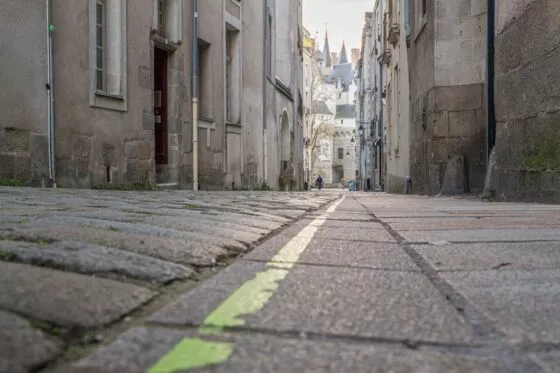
95,260
140,348
549,361
473,223
487,256
360,302
198,254
67,299
193,307
366,225
22,347
482,235
357,254
348,216
269,248
140,229
342,301
524,304
355,234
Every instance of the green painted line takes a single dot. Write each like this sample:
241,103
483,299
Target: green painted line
250,298
290,253
192,353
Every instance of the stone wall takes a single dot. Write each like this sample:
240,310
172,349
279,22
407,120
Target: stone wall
99,143
23,96
527,151
448,100
109,138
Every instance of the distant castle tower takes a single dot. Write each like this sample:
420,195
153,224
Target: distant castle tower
327,63
343,55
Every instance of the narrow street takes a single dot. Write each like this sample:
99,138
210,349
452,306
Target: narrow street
341,282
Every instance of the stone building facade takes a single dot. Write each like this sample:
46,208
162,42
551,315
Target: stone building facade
526,160
397,145
482,96
284,100
447,64
122,92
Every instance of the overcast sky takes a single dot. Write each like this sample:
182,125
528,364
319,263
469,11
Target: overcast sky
344,20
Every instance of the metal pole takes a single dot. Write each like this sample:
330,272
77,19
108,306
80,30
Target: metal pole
490,77
47,16
50,98
195,91
265,73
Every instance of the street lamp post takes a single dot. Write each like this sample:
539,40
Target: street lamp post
362,170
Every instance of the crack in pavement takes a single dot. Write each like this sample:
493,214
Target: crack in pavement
482,327
327,265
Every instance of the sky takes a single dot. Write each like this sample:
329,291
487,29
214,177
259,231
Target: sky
344,20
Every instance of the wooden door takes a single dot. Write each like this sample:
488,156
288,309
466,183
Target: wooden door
160,105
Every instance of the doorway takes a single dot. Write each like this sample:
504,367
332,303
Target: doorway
160,106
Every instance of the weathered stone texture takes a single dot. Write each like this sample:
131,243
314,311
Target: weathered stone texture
448,98
527,106
22,347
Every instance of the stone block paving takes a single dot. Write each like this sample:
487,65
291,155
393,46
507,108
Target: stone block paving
76,264
381,284
387,283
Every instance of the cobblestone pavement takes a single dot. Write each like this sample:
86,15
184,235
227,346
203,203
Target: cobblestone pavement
366,283
77,266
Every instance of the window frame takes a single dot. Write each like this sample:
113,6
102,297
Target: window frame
161,9
100,48
113,95
420,17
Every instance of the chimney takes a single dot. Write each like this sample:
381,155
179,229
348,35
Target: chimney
334,58
355,56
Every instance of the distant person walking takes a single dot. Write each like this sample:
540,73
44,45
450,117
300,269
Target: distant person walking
342,183
319,182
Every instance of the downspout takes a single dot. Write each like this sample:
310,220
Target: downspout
490,76
265,66
194,83
50,99
381,125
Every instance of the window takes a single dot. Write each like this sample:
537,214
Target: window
407,16
161,8
204,80
167,19
233,75
340,153
100,41
108,54
420,16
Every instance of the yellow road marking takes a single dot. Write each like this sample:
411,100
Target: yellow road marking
250,298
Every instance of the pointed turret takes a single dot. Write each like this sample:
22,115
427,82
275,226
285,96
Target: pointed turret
343,55
327,51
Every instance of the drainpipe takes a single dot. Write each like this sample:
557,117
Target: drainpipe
490,76
50,99
265,66
194,83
